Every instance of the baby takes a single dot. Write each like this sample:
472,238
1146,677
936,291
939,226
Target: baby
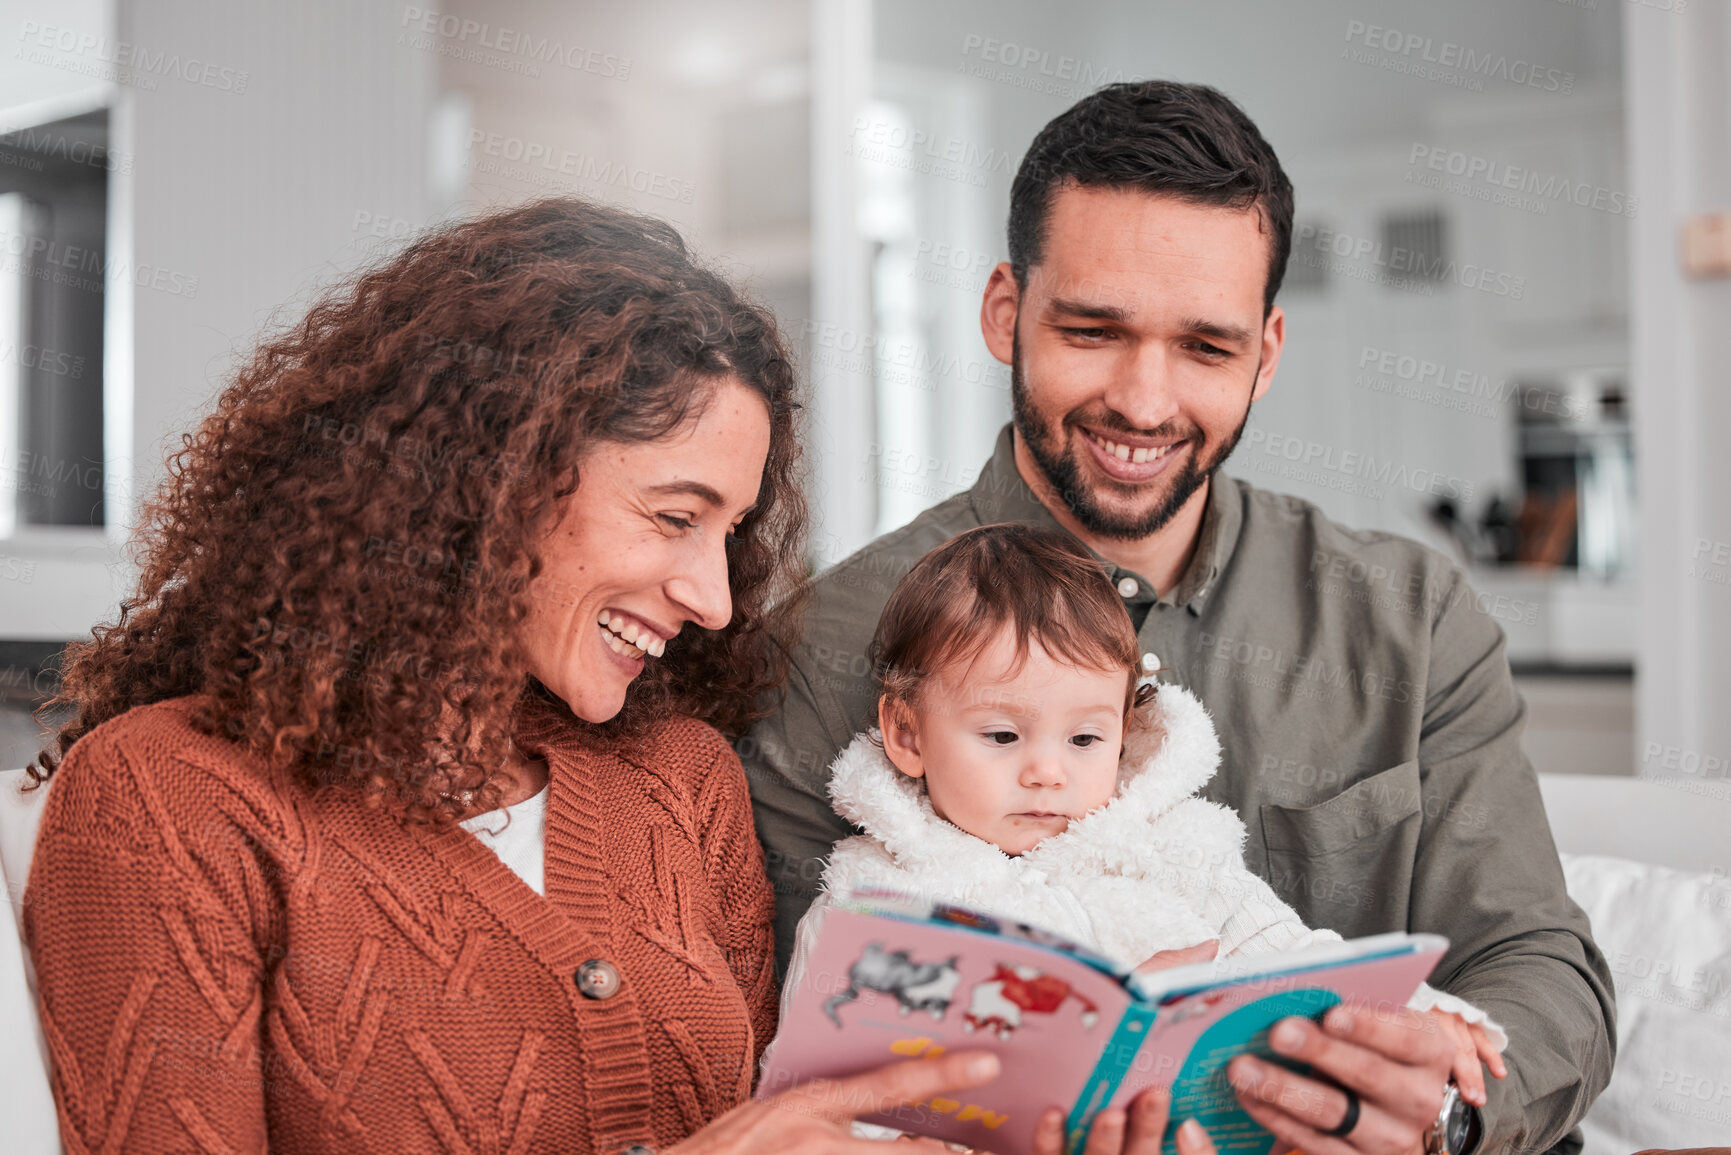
1020,766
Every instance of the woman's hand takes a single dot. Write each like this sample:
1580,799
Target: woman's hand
1117,1131
814,1119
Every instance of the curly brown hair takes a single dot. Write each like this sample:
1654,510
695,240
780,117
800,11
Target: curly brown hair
340,558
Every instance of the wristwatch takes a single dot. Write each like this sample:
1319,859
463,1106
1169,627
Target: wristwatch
1456,1130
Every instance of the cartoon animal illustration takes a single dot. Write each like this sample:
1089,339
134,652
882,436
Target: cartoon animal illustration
917,986
998,1003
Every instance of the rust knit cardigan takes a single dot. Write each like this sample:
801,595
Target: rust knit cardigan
228,963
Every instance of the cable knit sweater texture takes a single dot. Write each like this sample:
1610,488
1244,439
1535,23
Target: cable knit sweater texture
229,964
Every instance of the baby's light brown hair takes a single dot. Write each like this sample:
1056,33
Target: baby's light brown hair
1040,582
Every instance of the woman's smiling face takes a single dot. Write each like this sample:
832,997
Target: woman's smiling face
640,550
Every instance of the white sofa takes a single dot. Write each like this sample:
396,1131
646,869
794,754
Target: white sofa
29,1122
1649,863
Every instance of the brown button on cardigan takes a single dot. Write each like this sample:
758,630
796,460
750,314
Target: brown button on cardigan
229,964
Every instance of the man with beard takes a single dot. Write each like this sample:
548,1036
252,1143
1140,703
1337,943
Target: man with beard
1369,724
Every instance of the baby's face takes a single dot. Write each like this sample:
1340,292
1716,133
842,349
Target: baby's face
1012,757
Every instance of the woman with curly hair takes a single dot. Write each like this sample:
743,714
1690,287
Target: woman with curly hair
396,811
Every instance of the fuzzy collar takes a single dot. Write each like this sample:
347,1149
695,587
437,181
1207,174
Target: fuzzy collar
1169,754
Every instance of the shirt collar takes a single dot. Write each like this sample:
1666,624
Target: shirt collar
1000,494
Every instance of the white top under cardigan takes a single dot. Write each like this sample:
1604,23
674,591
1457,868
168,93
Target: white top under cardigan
518,835
1156,868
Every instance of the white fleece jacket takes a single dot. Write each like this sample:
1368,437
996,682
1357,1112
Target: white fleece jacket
1156,868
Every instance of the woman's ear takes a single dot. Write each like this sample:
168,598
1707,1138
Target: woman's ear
901,739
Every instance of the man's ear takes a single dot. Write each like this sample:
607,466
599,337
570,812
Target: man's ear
901,739
1273,341
998,307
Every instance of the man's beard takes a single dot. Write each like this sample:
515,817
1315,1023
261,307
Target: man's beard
1064,472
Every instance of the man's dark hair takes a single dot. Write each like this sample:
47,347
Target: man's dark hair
1180,140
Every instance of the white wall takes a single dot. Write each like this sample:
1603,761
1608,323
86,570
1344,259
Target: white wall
1679,117
256,193
250,170
36,84
68,573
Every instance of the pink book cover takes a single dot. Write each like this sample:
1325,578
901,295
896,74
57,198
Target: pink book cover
886,983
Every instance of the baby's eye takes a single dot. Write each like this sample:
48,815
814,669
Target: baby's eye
1085,740
1001,737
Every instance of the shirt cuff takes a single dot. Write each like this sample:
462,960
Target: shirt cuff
1428,998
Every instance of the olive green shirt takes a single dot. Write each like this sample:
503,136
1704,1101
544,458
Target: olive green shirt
1370,734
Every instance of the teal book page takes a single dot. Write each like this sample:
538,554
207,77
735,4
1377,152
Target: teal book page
1199,1029
1115,1061
1201,1091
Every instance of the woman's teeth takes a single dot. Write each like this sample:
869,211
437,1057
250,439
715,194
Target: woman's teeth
628,638
1125,453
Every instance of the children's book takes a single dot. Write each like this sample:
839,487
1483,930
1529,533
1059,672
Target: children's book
892,977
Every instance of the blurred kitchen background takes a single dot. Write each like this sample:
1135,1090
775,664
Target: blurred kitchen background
1505,325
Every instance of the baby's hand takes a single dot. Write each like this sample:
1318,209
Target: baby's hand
1162,959
1471,1046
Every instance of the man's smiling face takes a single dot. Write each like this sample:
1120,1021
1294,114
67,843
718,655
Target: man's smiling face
1137,346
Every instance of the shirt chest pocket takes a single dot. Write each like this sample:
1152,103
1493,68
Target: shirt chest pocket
1347,863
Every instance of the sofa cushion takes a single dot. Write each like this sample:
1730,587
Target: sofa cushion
1667,936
